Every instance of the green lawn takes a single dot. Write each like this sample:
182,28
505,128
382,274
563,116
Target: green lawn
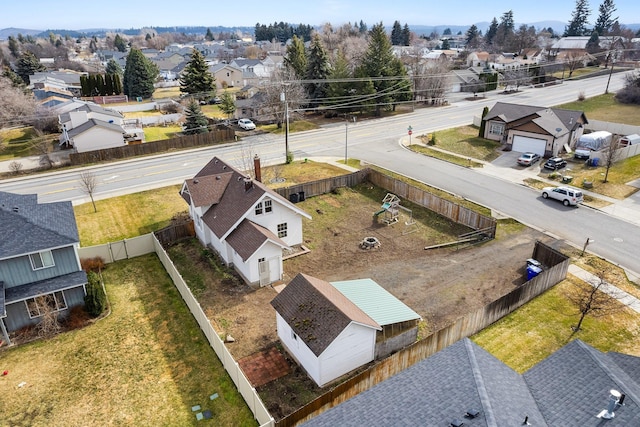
606,108
128,216
542,326
157,133
16,143
464,141
147,363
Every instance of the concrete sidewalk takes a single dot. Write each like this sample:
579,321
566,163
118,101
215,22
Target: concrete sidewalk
617,293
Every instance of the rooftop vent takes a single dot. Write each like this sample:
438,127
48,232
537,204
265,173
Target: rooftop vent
472,413
217,177
195,181
15,209
614,399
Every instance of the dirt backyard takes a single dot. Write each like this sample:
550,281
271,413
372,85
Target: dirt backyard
439,284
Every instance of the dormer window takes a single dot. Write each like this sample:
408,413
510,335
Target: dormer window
259,209
267,206
264,207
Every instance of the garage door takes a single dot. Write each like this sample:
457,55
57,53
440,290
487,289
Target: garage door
522,144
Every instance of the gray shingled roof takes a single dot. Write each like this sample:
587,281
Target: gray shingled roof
547,118
567,389
26,226
317,312
91,123
54,284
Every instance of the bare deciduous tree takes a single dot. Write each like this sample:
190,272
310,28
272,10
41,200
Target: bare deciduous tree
611,155
517,77
49,324
432,81
15,167
590,298
88,184
42,146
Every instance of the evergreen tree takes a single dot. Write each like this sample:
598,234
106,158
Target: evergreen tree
339,91
579,20
491,31
317,69
139,75
505,33
100,89
209,35
120,43
445,44
396,34
14,47
95,300
472,36
196,78
227,104
605,20
108,84
406,35
446,32
113,67
593,45
362,27
379,63
296,59
27,65
195,120
117,84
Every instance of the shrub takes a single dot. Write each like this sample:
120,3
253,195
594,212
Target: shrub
15,167
95,264
581,96
432,139
95,301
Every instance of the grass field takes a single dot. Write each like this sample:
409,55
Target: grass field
128,216
539,328
606,108
157,133
463,141
18,142
147,363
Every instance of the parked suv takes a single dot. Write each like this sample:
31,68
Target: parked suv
568,196
555,163
527,159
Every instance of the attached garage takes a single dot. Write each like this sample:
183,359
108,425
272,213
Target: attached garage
523,144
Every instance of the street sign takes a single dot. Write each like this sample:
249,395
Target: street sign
410,131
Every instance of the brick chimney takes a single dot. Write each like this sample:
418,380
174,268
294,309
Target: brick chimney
256,167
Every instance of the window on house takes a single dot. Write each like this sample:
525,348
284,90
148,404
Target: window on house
42,304
496,128
267,206
40,260
259,209
282,230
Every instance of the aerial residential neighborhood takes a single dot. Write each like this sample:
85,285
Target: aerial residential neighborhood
380,221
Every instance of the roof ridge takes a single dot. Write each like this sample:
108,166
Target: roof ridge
485,401
613,371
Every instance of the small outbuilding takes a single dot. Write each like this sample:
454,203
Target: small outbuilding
332,329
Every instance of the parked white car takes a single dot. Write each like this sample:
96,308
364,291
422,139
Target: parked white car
246,124
567,195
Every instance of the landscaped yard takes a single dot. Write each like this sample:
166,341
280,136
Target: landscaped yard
146,363
19,142
606,108
463,141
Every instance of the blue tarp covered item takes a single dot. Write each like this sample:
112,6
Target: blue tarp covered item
533,271
595,161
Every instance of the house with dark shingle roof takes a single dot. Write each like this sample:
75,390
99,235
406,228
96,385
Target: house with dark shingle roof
333,328
527,128
38,258
245,222
465,385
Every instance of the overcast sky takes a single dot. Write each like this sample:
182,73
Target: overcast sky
121,14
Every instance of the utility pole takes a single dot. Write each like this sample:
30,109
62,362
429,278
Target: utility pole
283,98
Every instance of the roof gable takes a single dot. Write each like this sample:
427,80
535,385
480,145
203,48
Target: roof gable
248,237
27,226
317,312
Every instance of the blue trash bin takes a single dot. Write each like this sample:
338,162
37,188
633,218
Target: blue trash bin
595,161
532,271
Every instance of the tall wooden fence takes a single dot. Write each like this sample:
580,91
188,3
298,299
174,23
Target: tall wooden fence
420,350
451,210
188,141
175,233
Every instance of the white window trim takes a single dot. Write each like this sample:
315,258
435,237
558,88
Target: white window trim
282,230
57,308
496,126
268,206
48,255
259,209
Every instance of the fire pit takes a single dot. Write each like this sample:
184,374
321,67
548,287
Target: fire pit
370,243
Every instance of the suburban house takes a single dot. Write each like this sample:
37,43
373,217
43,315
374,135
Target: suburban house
541,130
227,75
39,263
86,126
331,329
246,223
463,385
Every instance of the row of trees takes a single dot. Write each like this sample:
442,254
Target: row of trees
98,84
282,32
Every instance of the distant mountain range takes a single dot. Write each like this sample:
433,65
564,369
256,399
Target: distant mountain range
557,26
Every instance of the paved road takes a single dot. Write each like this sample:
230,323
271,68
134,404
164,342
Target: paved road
376,141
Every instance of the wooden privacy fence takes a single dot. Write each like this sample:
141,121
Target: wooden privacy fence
188,141
420,350
175,233
451,210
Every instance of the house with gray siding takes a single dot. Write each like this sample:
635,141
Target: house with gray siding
39,262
